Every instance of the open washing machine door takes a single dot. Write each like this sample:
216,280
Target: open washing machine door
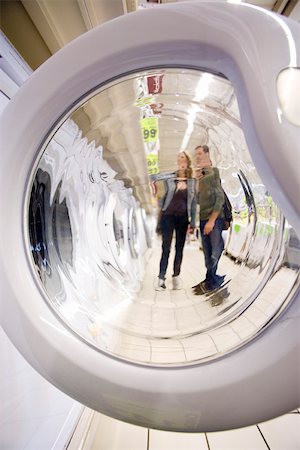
78,143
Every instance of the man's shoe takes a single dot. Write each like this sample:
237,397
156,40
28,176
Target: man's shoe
201,289
213,287
160,285
177,283
198,285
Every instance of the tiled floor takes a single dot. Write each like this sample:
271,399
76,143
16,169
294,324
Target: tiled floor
137,329
282,433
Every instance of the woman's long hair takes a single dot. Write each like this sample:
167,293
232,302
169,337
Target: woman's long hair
188,172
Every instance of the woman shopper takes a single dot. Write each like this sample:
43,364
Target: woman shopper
178,210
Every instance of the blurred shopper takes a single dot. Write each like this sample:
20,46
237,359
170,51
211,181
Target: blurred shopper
210,196
178,208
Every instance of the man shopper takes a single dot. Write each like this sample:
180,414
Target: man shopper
210,196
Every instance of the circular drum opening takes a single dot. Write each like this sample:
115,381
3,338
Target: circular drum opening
93,203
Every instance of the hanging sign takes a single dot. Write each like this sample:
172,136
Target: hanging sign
152,161
154,83
149,127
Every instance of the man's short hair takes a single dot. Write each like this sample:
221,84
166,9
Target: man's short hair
205,148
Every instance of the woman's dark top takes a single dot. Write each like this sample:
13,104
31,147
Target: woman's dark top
178,204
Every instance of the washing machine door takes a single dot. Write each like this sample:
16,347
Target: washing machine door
81,143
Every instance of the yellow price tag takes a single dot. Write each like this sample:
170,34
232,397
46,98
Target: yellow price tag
149,126
152,161
144,101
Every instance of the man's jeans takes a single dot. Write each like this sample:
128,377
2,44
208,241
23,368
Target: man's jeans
213,246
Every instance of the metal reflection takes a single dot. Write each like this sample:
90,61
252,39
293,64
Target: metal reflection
92,219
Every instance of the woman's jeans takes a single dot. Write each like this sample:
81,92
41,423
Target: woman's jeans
168,224
213,246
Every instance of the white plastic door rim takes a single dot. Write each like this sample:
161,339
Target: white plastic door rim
79,236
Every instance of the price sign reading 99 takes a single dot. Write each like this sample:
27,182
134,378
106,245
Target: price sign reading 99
149,127
149,135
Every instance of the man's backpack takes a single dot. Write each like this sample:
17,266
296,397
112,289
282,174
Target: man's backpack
227,211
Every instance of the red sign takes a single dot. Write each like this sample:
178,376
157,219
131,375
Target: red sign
154,83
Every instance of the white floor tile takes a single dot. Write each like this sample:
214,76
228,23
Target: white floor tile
116,435
164,440
282,433
248,438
